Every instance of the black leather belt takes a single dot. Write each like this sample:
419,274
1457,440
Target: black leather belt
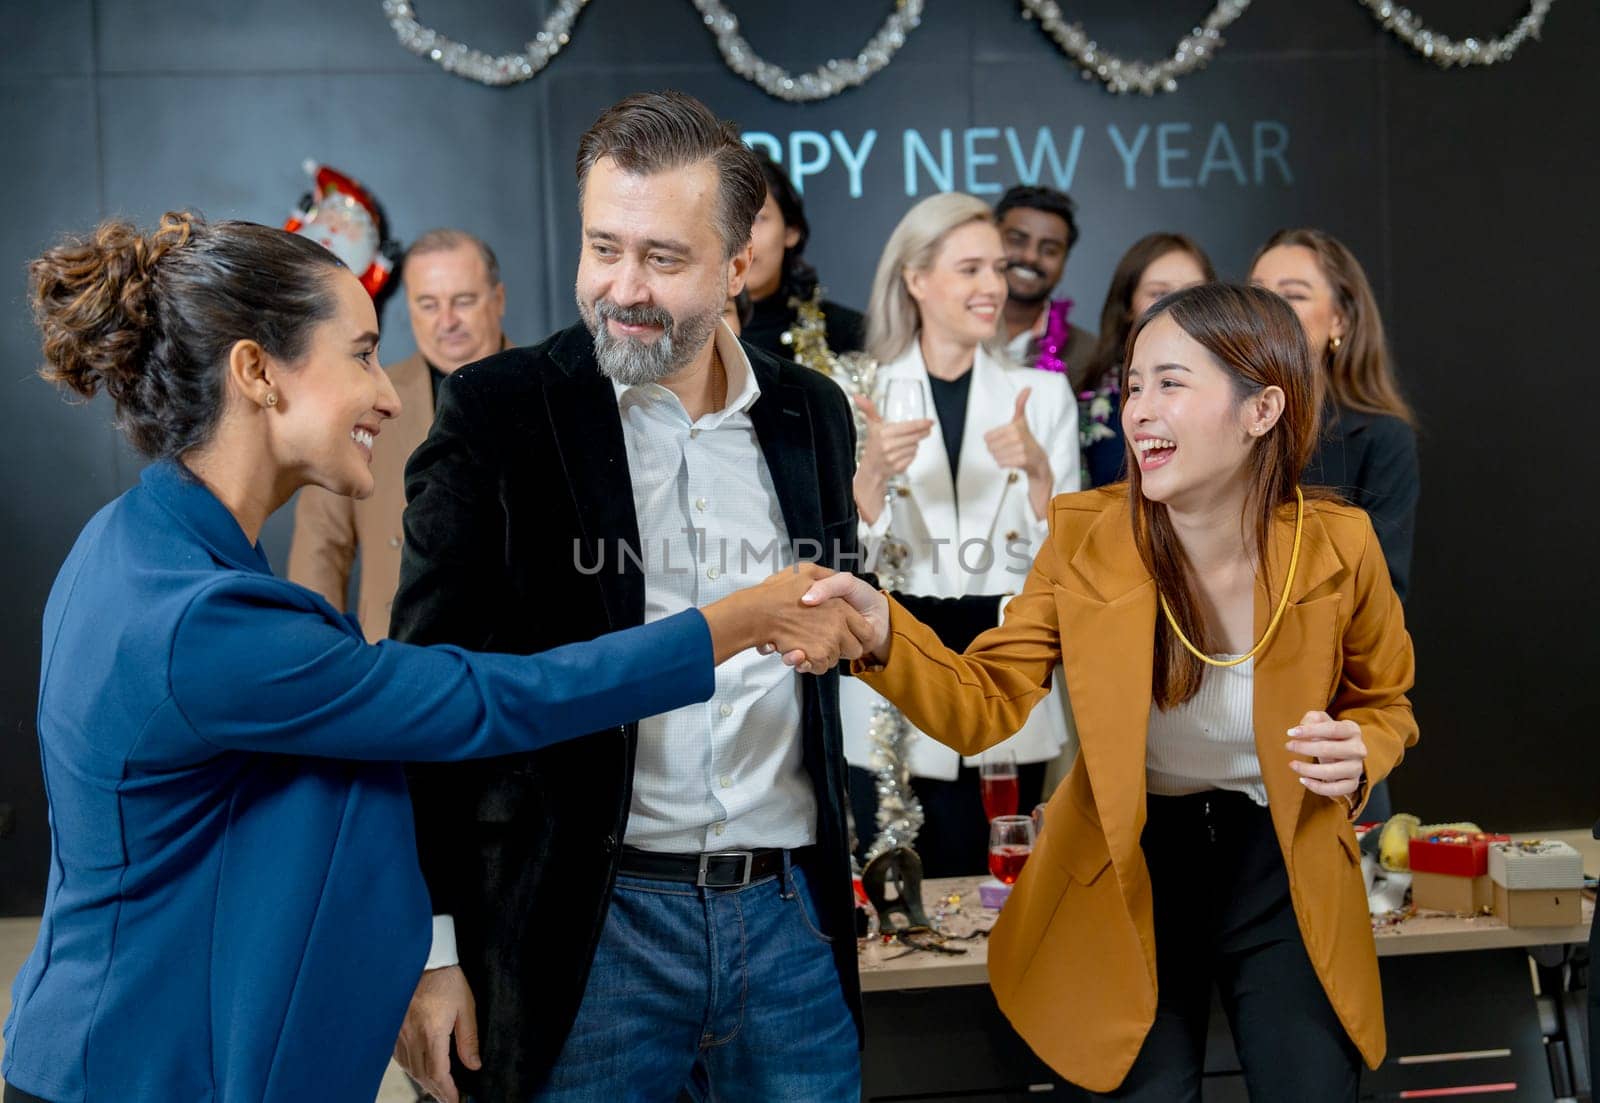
722,869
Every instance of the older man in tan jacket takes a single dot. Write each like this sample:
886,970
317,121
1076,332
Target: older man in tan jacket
456,302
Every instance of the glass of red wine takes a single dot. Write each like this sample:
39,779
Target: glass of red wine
997,774
1010,843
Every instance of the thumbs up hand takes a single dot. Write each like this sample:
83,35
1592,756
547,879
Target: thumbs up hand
1020,412
1014,446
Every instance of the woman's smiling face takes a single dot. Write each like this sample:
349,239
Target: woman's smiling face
1190,430
333,402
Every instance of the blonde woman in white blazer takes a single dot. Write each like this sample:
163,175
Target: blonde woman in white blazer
972,527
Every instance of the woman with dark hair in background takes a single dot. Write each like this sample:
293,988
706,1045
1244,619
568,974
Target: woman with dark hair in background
1239,667
1367,449
234,909
1367,446
788,311
1154,266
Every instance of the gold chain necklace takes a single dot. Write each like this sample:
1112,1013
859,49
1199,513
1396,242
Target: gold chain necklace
1283,602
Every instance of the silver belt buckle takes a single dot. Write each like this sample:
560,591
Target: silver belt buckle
705,860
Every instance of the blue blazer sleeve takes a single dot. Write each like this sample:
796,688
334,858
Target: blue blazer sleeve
253,670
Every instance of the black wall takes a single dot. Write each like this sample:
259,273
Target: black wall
1468,195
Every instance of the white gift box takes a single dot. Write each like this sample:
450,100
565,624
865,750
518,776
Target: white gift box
1535,864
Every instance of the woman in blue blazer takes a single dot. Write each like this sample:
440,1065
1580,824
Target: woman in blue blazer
234,910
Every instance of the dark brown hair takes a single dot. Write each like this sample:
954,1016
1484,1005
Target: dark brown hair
799,278
1116,316
1256,339
656,131
152,317
1360,376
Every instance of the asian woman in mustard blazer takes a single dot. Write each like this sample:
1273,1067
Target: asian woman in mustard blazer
1204,835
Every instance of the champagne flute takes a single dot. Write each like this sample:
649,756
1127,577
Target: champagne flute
903,400
1010,843
997,777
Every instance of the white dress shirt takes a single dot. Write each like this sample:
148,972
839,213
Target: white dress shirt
727,774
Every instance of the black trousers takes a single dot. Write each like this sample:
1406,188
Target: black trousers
954,840
1223,917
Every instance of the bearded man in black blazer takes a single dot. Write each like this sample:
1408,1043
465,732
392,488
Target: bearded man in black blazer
663,907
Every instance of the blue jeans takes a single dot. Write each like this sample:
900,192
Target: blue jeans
717,994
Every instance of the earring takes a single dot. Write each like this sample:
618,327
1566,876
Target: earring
1333,342
272,398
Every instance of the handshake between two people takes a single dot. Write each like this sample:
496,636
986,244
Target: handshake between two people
812,616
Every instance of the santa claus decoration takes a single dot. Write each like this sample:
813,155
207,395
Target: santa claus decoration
341,215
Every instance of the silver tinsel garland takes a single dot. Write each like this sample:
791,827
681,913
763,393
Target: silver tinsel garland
825,81
899,811
1445,52
1193,50
455,57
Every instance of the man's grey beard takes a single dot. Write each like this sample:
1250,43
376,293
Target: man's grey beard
632,362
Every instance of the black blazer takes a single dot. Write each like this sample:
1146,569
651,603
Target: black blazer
525,474
1371,460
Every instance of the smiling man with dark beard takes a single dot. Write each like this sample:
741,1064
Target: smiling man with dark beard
1038,227
667,906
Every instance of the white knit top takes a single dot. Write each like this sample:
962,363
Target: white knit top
1209,741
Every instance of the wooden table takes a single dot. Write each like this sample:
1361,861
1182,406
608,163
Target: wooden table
934,1031
892,967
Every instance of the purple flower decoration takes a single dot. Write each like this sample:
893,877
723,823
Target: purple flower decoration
1054,340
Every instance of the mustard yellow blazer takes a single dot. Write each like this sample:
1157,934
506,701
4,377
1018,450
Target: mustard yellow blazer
1073,957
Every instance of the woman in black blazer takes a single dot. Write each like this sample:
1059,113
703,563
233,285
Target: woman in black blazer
1368,448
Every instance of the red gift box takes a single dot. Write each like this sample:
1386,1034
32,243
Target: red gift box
1457,853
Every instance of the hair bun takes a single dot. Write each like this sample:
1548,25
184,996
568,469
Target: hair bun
94,300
